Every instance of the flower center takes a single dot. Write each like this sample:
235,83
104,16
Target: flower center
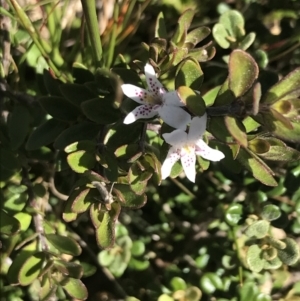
188,149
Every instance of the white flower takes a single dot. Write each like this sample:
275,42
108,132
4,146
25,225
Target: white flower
156,101
187,146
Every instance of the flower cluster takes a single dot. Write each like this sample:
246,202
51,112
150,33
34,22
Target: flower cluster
169,107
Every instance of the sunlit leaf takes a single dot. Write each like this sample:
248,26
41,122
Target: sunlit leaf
64,244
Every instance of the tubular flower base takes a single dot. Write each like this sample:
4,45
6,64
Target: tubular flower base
156,101
186,146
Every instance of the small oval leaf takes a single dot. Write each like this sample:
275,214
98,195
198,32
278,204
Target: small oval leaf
64,244
31,269
243,71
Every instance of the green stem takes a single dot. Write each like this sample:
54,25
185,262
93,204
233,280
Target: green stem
233,233
43,47
89,10
182,187
113,37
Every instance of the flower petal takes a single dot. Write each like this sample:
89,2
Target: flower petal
206,152
137,94
177,137
144,111
172,157
197,128
172,98
174,116
153,83
188,161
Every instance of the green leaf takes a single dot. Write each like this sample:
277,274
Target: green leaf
127,197
210,282
138,178
16,202
237,130
192,100
193,293
76,289
118,134
225,95
220,35
82,131
210,96
106,257
110,164
109,84
273,264
31,269
160,27
9,225
101,110
233,214
18,126
76,94
259,146
197,35
138,248
291,253
122,252
81,161
270,212
290,134
81,74
283,87
247,41
9,160
96,215
68,215
59,108
202,54
64,244
217,127
259,169
70,269
243,71
165,297
45,134
52,84
176,57
47,289
258,229
88,269
190,74
105,234
24,220
184,23
233,21
19,260
177,284
248,292
254,259
82,199
86,145
138,265
276,243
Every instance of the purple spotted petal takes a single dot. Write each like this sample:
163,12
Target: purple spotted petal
188,161
144,111
153,83
206,152
137,94
172,157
